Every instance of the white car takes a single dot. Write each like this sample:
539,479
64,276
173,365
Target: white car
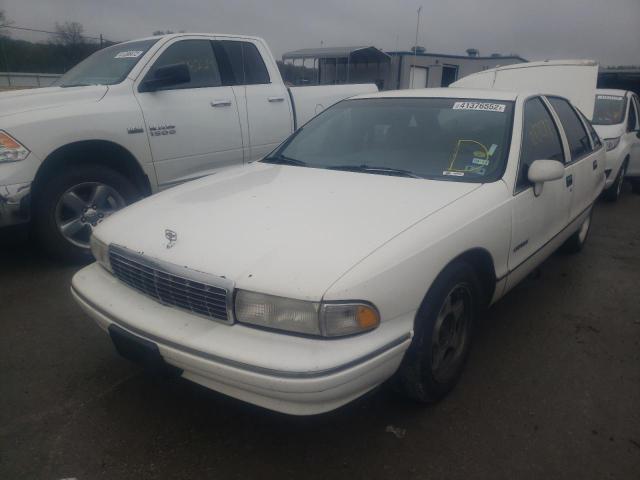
616,119
139,117
364,247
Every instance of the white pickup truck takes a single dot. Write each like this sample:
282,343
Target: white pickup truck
139,117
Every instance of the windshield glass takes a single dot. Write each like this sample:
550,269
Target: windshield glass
609,110
107,66
435,138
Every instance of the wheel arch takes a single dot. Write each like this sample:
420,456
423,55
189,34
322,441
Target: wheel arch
102,152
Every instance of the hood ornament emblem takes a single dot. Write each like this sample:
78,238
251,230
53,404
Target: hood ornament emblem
171,236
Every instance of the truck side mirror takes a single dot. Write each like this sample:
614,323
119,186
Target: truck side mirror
542,171
166,76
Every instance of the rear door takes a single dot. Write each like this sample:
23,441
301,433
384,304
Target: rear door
193,128
266,108
536,220
584,171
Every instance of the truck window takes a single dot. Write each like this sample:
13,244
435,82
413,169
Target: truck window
199,58
540,140
241,63
574,130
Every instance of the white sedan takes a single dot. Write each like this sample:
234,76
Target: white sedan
363,248
616,118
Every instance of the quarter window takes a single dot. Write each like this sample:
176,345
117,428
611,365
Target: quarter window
242,63
199,58
595,138
574,130
540,139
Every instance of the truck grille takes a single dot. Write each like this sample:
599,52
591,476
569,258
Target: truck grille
168,288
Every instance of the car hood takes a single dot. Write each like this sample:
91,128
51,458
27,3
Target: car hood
20,101
282,230
609,131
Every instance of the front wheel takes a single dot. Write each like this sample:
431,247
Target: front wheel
612,193
70,205
443,332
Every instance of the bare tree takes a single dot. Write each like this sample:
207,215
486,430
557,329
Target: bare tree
69,34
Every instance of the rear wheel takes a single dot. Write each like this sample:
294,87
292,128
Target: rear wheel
443,332
612,193
70,205
575,243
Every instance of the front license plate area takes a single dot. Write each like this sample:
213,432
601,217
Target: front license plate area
141,351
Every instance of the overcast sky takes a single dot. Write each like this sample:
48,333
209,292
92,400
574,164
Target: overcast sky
604,30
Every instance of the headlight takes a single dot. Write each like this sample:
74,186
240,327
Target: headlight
11,150
326,319
100,251
611,143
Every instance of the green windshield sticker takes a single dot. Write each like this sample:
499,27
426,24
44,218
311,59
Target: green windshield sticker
470,156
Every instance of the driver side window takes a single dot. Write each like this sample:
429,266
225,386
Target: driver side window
199,58
540,140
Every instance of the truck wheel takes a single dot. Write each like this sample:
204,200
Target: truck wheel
443,331
612,193
575,243
71,204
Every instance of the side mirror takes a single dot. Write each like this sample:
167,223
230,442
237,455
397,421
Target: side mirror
166,76
542,171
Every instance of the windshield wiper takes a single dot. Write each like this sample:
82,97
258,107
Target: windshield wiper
398,172
283,160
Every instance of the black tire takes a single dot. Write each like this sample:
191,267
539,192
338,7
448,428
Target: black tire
635,186
49,195
576,242
612,193
418,378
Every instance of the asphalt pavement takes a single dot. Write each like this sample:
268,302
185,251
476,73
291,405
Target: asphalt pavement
551,390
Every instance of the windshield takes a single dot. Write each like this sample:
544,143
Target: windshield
107,66
435,138
609,110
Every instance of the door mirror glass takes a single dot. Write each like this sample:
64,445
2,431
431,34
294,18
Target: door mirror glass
167,76
542,171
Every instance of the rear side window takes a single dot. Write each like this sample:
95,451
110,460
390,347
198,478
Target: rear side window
577,136
241,62
595,138
199,58
540,139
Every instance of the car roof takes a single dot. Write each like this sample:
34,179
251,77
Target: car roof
187,34
611,91
475,93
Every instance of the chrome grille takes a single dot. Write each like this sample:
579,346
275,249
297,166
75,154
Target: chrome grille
168,288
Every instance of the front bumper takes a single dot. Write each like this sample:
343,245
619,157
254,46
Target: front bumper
14,204
289,374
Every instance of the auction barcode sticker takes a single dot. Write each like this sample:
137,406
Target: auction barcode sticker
484,107
609,97
129,54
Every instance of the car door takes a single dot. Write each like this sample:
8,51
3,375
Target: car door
633,132
536,219
193,127
267,109
584,170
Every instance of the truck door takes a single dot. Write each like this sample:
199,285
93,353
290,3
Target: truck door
584,167
267,108
536,219
193,127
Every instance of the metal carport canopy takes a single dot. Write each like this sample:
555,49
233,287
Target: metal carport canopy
361,54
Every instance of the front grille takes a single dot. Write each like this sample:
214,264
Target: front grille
168,288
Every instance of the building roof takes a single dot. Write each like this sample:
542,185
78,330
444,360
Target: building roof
361,53
446,55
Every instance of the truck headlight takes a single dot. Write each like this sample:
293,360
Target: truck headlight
611,143
327,319
100,251
11,150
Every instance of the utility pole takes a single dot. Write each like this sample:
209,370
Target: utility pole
415,48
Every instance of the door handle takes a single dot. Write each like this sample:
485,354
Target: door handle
220,103
275,99
595,164
569,180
